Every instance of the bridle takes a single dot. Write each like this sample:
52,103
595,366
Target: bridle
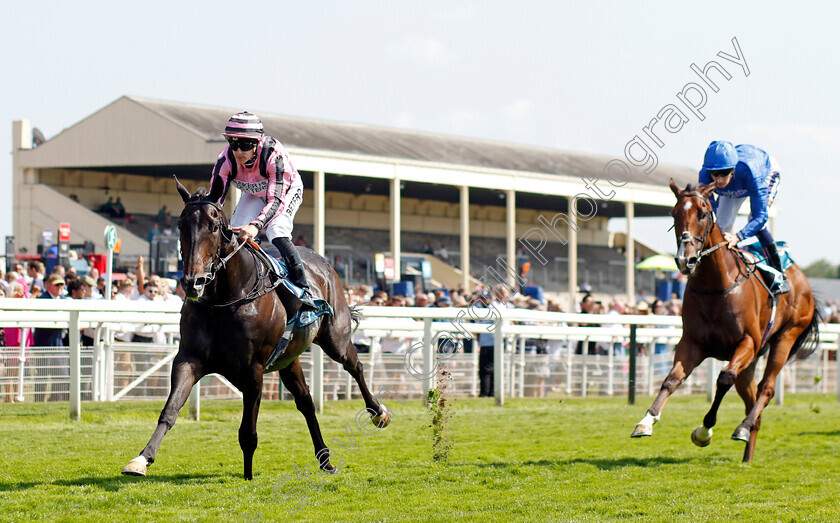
687,238
218,261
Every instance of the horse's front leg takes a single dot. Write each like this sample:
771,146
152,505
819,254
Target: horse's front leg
251,395
184,375
686,357
742,358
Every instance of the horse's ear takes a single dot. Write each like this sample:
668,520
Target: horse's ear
185,194
216,189
674,188
707,190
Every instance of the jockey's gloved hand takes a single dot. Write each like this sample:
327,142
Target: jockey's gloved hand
731,239
246,232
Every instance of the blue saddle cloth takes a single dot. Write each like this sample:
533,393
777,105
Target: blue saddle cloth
302,318
753,246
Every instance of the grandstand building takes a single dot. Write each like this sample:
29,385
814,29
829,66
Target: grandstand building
368,189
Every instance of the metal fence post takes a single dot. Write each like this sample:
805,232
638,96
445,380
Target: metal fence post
522,371
710,396
24,334
610,365
317,378
109,365
428,357
780,389
631,375
499,363
195,402
75,368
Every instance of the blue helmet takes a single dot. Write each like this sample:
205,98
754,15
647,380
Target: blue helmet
719,156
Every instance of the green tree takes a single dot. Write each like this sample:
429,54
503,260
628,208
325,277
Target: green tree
821,268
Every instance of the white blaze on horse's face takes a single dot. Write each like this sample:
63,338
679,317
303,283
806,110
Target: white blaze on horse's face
684,224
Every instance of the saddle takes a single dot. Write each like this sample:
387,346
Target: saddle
753,253
278,275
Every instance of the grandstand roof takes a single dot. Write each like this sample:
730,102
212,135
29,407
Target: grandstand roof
354,138
155,138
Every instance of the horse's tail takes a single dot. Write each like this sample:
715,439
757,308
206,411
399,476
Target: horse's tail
809,340
355,316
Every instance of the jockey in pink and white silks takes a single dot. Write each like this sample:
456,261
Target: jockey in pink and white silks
272,190
738,173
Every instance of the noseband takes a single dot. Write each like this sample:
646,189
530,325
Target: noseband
687,237
227,236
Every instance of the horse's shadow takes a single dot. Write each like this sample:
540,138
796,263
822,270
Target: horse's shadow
612,464
112,484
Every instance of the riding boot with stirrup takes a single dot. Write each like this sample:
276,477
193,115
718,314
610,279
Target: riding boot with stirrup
296,271
773,257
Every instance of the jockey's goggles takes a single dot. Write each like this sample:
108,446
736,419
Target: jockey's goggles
242,144
720,173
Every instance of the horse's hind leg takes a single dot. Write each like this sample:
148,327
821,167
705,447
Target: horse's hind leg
776,359
294,381
251,393
335,339
686,357
184,375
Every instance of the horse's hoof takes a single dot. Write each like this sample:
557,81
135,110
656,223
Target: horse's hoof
383,419
642,430
742,433
135,467
701,436
329,469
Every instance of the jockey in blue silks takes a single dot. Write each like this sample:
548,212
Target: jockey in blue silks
741,172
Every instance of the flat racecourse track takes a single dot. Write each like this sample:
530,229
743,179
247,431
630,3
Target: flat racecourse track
534,459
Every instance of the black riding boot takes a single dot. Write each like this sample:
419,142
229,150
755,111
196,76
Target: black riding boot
296,271
773,258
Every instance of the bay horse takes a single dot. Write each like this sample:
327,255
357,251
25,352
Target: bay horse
230,325
728,314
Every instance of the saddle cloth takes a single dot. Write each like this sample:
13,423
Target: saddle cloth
302,318
755,253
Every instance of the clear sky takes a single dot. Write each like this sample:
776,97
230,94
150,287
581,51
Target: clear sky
582,76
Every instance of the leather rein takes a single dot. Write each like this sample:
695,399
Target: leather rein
220,262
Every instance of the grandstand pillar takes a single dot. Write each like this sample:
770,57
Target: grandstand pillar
630,253
21,222
511,238
319,224
465,237
395,226
573,254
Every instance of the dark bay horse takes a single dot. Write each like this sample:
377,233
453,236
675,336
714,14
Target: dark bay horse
727,315
230,328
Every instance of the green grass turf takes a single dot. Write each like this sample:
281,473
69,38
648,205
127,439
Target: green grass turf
544,460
